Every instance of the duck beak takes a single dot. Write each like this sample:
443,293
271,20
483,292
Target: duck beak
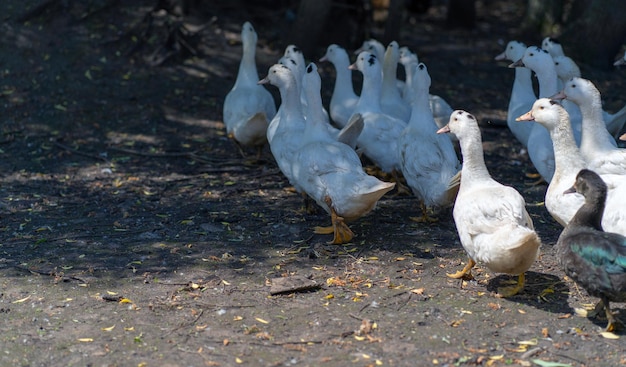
571,190
528,116
623,137
559,96
517,64
353,67
323,58
500,57
263,81
443,130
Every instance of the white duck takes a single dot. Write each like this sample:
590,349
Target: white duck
539,145
287,127
294,59
553,46
567,69
428,160
311,84
317,164
522,94
391,97
248,107
344,100
569,161
597,145
440,108
373,46
379,138
491,219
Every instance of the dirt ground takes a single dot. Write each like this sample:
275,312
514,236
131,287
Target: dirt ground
133,233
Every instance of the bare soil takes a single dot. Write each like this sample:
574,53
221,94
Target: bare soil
134,233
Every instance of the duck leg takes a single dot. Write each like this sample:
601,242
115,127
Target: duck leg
401,188
425,218
341,232
613,324
511,291
466,273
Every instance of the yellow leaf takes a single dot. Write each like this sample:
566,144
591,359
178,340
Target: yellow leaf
111,293
238,360
318,267
371,258
108,328
132,328
359,338
85,340
609,335
418,291
125,300
261,320
225,282
522,312
379,362
400,258
22,300
496,358
528,342
581,312
329,296
237,318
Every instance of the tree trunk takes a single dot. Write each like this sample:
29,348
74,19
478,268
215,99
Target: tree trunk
542,17
310,24
597,35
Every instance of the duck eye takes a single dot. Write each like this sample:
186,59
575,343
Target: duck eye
531,54
573,85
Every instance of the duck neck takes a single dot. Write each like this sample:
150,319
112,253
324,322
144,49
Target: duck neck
343,78
420,107
291,105
390,68
566,153
247,67
589,214
548,82
594,134
474,168
370,93
523,80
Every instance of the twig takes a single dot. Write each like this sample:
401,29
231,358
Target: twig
74,151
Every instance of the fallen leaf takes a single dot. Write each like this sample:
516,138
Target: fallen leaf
550,364
85,340
108,328
528,342
261,320
418,291
22,300
581,312
609,335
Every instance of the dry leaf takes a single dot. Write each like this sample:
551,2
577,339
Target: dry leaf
609,335
85,340
22,300
261,320
418,291
108,328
